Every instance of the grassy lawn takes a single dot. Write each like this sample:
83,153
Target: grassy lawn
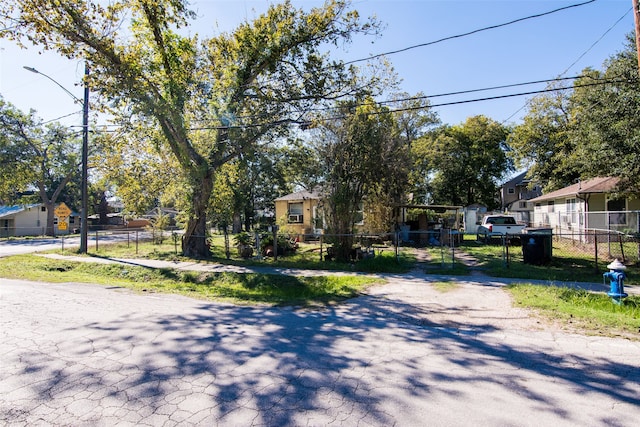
565,265
593,313
306,257
238,288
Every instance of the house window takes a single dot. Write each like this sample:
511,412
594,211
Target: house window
617,214
511,190
551,206
43,209
523,205
72,220
295,213
572,216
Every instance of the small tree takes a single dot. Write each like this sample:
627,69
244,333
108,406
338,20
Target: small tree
363,156
35,156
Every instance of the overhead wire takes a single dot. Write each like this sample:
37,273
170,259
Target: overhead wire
578,59
491,27
479,30
597,82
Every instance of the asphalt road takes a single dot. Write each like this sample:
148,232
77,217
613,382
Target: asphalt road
403,355
19,246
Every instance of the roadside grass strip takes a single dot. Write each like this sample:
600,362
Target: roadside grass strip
592,312
239,288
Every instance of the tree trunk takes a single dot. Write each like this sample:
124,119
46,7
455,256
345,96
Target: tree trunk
344,247
50,206
194,241
237,223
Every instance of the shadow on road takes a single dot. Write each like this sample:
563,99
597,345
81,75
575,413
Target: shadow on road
217,362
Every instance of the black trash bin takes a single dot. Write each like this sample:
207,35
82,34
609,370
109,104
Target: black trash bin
537,247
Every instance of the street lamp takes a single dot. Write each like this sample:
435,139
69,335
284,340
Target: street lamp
85,150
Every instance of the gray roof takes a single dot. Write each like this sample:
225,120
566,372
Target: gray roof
590,186
299,195
12,210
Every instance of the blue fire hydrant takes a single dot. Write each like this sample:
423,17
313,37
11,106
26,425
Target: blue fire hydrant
616,277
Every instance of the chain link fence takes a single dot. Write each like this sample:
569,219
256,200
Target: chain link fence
543,246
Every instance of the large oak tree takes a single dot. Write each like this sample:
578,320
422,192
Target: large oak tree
211,99
589,129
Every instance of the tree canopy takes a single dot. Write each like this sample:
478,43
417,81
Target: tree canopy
363,160
35,157
464,163
211,99
589,129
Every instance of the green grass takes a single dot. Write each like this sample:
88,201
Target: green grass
590,312
239,288
447,286
565,265
306,257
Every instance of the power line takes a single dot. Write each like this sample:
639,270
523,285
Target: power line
492,27
416,108
61,117
597,82
578,59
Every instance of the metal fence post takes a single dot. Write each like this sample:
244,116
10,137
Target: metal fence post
506,245
453,249
397,242
595,244
275,242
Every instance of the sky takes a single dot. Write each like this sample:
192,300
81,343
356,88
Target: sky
562,43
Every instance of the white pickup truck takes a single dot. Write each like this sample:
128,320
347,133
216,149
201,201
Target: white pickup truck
498,226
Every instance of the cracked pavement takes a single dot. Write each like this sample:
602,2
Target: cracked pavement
404,354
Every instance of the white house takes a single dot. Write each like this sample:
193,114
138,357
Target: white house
587,205
30,220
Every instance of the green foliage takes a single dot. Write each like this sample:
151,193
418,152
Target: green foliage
541,142
362,158
594,312
193,93
243,238
465,162
591,130
36,156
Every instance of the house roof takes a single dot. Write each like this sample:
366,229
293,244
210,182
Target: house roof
299,195
590,186
518,179
12,210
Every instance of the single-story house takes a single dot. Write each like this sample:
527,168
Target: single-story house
31,220
587,205
300,212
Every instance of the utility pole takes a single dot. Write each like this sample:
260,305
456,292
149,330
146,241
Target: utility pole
636,18
84,226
